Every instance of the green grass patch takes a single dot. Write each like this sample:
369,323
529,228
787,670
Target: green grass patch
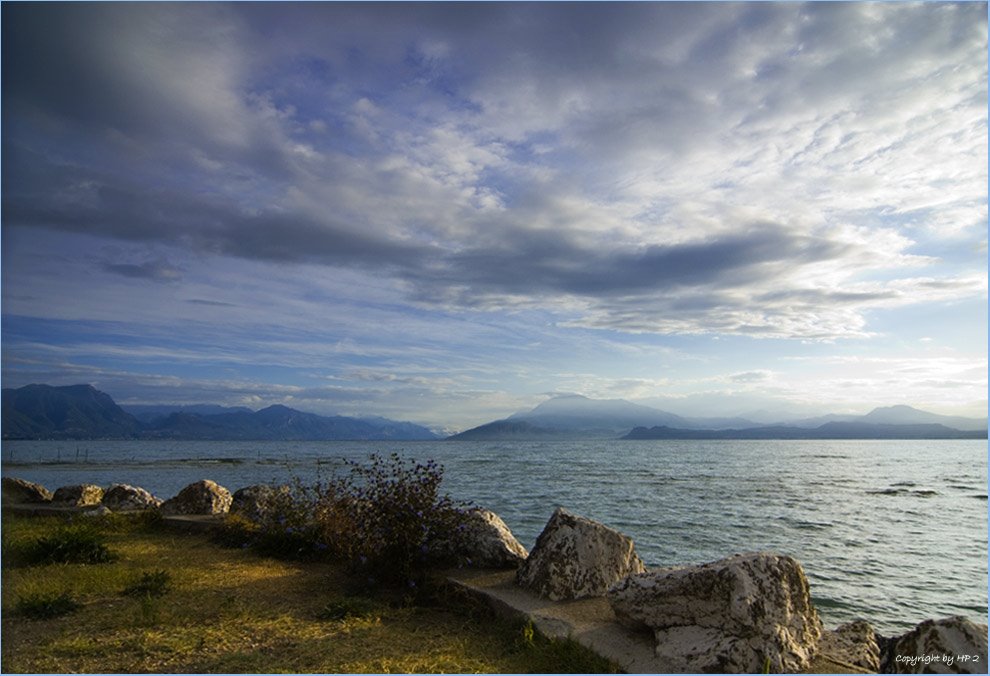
45,606
154,584
348,607
81,543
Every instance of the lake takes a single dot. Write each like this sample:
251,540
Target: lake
891,531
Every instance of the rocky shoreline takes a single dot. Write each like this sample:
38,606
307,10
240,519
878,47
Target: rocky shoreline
747,613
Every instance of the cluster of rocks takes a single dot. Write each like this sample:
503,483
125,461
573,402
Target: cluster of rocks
118,497
202,498
747,613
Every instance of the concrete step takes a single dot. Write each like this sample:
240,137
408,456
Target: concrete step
591,622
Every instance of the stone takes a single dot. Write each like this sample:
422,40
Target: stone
488,543
575,557
952,645
101,510
203,497
254,502
79,495
853,643
728,616
124,497
19,491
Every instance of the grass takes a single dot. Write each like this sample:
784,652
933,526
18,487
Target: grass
44,607
177,602
152,584
73,543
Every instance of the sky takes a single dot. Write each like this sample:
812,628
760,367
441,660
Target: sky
446,213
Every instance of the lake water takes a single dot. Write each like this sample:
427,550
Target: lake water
891,531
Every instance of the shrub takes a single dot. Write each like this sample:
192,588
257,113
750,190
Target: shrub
153,584
74,543
284,526
45,606
288,527
235,531
388,519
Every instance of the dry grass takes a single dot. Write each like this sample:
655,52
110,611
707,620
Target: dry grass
231,611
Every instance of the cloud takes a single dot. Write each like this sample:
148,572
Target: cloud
156,270
209,303
769,170
748,377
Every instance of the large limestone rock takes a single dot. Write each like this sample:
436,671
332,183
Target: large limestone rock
202,497
728,616
576,558
256,502
953,645
124,497
19,491
488,543
79,495
853,643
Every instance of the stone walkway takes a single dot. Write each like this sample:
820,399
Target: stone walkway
590,622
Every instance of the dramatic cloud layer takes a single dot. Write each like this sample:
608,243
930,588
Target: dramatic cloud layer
587,174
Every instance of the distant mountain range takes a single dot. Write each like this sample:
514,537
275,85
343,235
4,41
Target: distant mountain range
577,417
83,412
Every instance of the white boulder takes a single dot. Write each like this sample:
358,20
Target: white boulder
953,645
203,497
79,495
853,643
488,543
732,616
19,491
124,497
575,557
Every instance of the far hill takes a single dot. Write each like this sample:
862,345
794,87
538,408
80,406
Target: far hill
72,412
906,415
281,423
831,430
151,413
83,412
898,415
578,417
506,429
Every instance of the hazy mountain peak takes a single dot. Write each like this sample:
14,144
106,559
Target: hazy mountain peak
907,415
897,409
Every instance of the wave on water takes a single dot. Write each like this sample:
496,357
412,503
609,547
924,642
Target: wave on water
904,491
